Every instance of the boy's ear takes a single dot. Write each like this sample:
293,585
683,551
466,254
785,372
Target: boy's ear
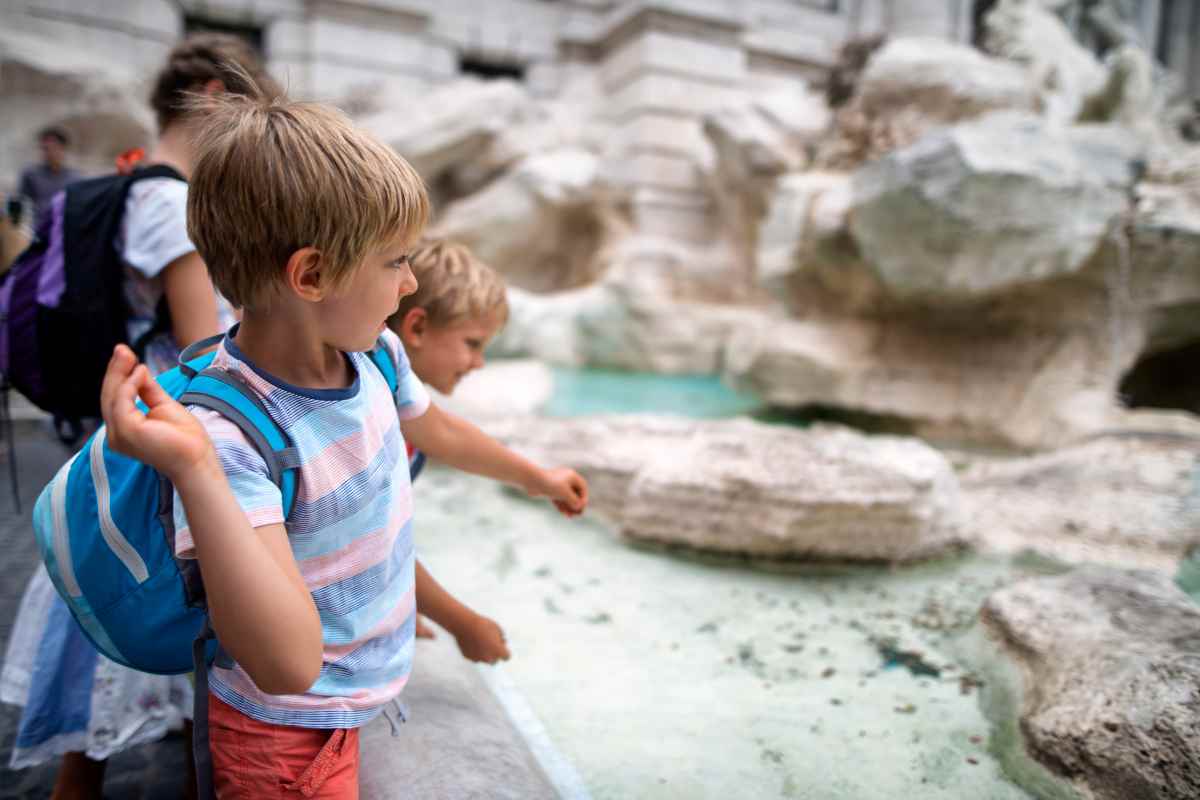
303,275
214,86
413,325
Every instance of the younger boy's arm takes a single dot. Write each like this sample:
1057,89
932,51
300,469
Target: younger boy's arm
454,441
261,610
479,638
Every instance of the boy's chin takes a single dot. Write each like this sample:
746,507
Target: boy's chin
446,387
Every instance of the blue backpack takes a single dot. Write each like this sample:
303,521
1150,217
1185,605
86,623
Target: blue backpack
105,528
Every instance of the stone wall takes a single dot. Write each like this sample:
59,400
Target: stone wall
659,61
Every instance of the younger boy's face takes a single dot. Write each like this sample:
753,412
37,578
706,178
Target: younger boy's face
444,354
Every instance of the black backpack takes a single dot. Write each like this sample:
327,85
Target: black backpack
62,305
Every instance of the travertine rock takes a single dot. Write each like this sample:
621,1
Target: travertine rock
1109,663
946,81
544,224
452,124
990,204
737,486
615,324
1162,273
1121,499
504,387
1064,73
767,134
912,86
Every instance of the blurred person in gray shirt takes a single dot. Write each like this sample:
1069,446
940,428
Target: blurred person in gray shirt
40,182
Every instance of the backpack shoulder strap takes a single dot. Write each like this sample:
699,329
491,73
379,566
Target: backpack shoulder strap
382,357
227,394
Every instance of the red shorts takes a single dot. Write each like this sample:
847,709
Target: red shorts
255,760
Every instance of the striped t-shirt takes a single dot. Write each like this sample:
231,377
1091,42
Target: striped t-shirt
350,530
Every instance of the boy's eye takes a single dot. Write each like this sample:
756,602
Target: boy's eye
400,262
475,344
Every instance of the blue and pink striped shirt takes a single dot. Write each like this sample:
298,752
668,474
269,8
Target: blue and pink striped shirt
350,531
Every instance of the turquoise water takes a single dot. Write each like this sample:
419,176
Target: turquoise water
582,392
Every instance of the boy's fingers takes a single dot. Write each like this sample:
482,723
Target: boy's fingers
566,509
119,366
121,415
151,392
579,489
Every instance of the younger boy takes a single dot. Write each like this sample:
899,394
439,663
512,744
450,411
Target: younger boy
305,223
459,305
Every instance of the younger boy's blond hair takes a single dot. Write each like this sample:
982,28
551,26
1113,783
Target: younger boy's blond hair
452,285
274,176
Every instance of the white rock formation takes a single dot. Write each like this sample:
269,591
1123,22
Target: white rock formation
767,134
1064,73
805,231
755,141
990,205
946,82
1162,275
614,324
741,487
986,274
505,387
997,373
544,224
449,126
1108,663
1122,499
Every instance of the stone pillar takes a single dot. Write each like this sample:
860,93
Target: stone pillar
962,19
1149,20
1183,22
866,17
662,65
922,18
349,49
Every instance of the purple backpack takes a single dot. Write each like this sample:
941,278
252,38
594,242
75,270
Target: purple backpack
62,305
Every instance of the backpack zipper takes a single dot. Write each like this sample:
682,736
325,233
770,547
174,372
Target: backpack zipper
116,540
62,532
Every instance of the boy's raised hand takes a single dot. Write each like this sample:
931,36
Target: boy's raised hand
566,488
167,437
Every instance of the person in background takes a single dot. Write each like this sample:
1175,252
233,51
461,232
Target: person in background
40,182
79,706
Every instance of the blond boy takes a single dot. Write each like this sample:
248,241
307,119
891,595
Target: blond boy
459,306
306,223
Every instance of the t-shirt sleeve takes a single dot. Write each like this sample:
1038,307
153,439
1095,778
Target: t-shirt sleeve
248,476
155,225
412,398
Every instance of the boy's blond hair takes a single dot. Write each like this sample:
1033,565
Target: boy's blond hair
453,285
273,176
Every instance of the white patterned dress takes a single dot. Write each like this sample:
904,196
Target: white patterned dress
73,698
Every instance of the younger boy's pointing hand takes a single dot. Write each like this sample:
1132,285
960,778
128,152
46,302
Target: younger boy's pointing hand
565,487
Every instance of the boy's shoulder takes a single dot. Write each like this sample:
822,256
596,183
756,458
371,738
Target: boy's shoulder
395,347
411,397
